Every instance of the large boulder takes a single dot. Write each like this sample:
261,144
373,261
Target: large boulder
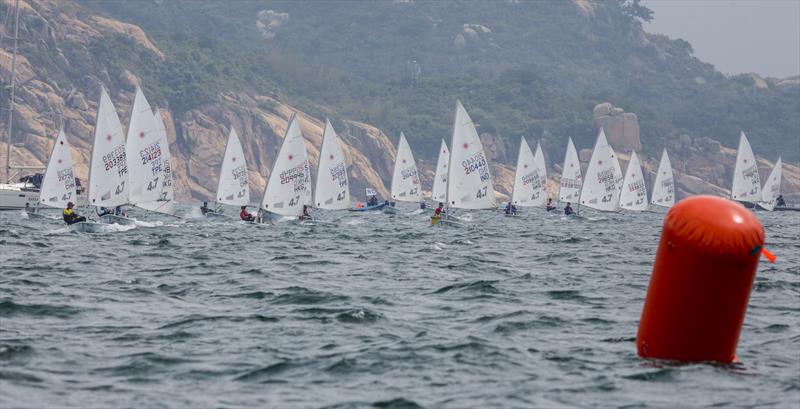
621,128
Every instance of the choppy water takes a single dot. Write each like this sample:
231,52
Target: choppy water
374,311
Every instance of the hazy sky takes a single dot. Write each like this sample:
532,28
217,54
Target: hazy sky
761,36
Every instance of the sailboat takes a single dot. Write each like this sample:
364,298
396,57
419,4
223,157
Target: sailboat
772,188
634,190
333,189
746,186
571,177
145,154
15,195
405,178
469,183
166,200
603,184
233,188
439,189
530,181
58,185
108,167
664,185
285,195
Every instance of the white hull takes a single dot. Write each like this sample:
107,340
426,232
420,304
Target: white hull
86,227
121,220
14,199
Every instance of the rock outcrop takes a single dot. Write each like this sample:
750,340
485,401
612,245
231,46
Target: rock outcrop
621,128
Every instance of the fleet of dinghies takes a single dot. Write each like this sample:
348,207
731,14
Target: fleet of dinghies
136,171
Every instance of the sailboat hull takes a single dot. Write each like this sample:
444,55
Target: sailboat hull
86,227
113,219
11,199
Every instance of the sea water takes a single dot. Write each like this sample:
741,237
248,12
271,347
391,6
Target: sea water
369,310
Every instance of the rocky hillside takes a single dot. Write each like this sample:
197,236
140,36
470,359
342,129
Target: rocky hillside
521,68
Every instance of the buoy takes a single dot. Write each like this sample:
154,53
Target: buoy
701,281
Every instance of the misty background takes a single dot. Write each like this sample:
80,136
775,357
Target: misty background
737,36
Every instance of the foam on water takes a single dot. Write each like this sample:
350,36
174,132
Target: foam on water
367,310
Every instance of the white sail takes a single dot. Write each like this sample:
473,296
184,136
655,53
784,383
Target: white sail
144,152
333,188
603,183
108,169
634,191
439,190
772,187
746,181
405,179
571,177
58,186
664,186
233,188
469,182
530,181
166,201
286,190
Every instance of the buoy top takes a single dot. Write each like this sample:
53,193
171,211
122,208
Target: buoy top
716,225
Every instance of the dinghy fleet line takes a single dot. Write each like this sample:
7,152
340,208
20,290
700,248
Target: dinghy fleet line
134,171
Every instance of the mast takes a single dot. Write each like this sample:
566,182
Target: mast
11,99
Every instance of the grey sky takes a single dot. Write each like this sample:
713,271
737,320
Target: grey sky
761,36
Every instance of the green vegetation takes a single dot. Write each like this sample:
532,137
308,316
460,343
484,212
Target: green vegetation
532,68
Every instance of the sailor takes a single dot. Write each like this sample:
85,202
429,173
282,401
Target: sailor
103,211
568,209
245,215
70,217
439,210
423,205
373,201
204,209
511,209
550,205
387,204
779,201
118,212
28,207
305,215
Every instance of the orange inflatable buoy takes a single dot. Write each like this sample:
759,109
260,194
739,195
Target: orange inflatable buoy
701,281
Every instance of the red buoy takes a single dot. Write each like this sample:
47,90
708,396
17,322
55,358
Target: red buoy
701,281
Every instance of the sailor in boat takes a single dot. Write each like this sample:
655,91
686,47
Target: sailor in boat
511,210
245,215
102,211
550,205
204,208
778,201
568,209
28,208
70,217
372,201
118,212
305,215
438,214
423,205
